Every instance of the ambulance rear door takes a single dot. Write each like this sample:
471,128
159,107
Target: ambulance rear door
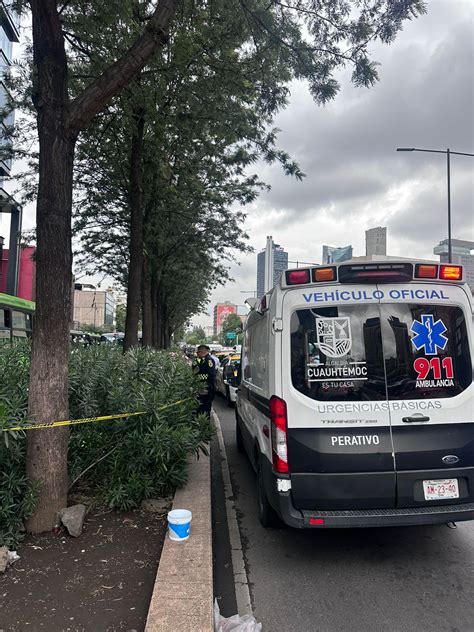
427,346
340,449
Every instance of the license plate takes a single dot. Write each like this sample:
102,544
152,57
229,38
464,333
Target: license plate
441,489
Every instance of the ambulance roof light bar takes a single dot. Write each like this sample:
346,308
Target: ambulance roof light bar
383,272
376,273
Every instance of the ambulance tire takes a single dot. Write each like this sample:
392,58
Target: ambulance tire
266,514
238,436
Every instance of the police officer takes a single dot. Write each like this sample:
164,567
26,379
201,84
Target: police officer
204,367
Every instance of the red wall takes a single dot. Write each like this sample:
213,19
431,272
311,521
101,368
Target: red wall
26,275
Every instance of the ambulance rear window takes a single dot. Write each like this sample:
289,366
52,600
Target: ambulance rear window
394,351
426,351
336,353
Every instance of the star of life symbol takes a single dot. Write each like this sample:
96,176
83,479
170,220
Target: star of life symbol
334,336
429,334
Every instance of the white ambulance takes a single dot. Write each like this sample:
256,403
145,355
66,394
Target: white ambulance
356,400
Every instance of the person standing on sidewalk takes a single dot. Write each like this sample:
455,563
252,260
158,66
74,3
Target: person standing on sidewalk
204,367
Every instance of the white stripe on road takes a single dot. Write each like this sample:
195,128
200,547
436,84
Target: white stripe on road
242,593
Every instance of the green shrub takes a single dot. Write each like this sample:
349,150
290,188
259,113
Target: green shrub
17,496
137,457
121,461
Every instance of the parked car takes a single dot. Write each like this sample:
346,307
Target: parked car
112,338
228,377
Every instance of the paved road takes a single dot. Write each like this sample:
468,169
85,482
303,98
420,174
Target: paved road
413,579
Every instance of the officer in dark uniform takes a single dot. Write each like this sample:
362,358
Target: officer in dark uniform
205,368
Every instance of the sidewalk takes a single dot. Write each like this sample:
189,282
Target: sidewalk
183,593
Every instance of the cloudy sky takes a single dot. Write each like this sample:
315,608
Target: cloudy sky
355,178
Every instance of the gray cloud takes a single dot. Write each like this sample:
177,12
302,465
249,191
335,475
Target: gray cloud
355,177
427,214
348,149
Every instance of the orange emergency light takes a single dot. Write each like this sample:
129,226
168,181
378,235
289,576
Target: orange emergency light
324,274
426,271
450,273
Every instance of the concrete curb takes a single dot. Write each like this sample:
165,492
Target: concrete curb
242,592
182,597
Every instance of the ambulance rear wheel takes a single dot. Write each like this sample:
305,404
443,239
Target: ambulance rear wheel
266,514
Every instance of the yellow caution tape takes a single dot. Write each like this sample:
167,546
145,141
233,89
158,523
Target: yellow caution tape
88,420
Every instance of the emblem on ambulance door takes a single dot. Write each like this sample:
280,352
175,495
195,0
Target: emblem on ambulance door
334,336
450,459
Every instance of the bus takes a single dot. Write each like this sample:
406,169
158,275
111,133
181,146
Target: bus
16,322
16,318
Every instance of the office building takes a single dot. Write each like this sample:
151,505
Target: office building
221,311
280,264
462,253
26,272
332,254
376,241
93,307
9,33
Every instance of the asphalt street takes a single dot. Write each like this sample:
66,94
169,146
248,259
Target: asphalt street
394,579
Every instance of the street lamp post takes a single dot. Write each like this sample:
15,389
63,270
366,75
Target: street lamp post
448,153
253,292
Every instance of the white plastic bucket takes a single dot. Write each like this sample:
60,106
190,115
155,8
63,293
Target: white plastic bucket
179,524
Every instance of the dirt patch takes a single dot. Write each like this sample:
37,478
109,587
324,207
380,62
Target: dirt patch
100,582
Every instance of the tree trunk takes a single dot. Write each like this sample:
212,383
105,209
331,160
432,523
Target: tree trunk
154,311
147,339
160,318
48,389
166,329
136,232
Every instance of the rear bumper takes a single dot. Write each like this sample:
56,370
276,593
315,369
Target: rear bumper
373,517
411,516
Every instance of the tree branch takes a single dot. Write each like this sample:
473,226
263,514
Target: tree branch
118,75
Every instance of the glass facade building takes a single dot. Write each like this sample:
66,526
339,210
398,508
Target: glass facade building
9,33
332,254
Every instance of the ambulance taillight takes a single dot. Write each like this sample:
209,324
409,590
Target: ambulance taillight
279,432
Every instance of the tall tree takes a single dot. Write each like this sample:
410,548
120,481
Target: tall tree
222,82
59,122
